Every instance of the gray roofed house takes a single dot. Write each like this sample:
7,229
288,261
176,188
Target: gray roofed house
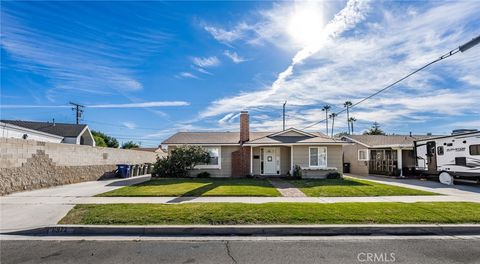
48,131
263,153
381,154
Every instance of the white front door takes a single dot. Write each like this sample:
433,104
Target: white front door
269,161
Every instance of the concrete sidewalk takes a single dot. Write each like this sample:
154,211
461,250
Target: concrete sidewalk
260,200
45,207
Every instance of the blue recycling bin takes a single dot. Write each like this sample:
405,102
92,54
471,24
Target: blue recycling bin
123,170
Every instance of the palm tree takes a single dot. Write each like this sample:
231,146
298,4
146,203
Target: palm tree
333,115
348,104
351,120
326,108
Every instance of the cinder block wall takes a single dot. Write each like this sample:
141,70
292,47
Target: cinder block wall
28,164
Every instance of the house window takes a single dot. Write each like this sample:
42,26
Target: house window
440,150
475,149
363,155
214,158
317,157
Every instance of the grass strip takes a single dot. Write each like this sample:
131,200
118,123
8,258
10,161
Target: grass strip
273,213
349,187
198,187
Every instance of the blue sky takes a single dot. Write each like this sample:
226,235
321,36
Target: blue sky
148,69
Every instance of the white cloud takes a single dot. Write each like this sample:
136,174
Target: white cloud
353,65
73,64
206,62
187,75
141,105
129,125
127,105
226,36
234,56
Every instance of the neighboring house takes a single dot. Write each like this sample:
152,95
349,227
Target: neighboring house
237,154
48,132
380,154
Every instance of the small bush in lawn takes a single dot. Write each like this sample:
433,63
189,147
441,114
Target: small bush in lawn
204,174
297,172
334,175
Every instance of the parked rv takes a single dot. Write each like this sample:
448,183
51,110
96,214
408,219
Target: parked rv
449,157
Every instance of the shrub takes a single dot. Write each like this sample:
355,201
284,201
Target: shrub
204,174
180,161
334,175
297,172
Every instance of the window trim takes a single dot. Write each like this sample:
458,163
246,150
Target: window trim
470,149
440,151
210,166
367,154
318,157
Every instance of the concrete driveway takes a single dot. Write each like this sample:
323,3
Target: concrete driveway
429,186
45,207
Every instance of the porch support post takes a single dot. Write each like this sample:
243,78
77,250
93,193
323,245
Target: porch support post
291,160
399,161
251,160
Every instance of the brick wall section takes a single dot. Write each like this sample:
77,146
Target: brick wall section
28,164
241,162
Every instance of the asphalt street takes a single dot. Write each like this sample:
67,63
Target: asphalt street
325,250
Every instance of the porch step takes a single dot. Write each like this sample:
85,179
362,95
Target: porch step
286,189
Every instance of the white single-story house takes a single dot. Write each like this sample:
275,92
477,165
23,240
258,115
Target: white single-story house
238,154
47,131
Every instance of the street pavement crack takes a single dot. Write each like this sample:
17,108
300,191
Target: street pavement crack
229,253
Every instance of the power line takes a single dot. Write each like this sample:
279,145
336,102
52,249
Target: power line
461,48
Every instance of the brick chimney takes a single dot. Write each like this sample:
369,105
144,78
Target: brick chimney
244,127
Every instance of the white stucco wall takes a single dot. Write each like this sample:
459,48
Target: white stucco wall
11,131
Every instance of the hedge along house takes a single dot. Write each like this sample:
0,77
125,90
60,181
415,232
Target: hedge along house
238,154
390,155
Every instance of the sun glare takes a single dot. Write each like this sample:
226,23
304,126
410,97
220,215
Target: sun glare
305,25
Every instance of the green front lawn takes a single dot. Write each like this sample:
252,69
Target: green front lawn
198,187
349,187
273,213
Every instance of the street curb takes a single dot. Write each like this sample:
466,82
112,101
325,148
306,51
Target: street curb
245,230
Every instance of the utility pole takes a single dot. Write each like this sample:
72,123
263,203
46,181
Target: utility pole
78,108
284,115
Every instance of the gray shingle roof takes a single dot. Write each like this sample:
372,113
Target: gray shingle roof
319,138
59,129
386,140
210,137
234,137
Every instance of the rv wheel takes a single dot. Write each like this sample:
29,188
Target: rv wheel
446,178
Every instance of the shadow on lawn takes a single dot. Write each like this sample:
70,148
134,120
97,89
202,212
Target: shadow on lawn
192,194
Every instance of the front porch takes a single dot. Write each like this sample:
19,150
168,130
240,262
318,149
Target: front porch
391,161
279,160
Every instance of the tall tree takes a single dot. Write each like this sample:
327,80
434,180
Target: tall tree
130,145
374,130
103,140
352,120
333,115
348,104
326,108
